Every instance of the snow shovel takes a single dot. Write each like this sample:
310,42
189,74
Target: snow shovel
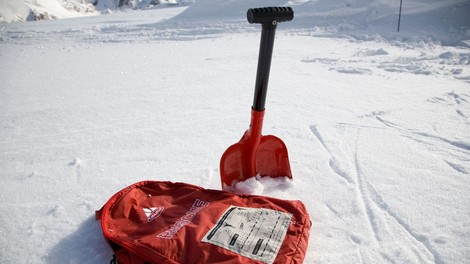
254,153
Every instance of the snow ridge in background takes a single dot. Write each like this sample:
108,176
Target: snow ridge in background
437,20
442,21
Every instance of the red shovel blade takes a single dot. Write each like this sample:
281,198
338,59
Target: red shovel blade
254,154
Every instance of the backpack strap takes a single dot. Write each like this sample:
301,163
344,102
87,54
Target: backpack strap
98,214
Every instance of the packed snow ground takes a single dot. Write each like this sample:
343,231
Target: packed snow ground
376,124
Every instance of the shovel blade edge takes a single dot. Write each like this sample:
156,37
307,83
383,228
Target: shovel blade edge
241,161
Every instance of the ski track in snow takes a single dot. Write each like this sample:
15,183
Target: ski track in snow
420,135
333,162
382,218
374,209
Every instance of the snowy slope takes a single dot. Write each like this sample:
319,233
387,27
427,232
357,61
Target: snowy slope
376,122
437,20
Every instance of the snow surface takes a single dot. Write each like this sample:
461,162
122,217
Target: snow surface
376,122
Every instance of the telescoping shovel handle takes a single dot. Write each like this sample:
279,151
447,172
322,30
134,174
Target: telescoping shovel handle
268,17
256,154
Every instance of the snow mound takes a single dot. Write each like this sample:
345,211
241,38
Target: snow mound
107,6
263,185
32,10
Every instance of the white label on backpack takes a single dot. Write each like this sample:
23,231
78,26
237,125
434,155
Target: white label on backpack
255,233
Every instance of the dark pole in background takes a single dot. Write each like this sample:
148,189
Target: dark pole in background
399,16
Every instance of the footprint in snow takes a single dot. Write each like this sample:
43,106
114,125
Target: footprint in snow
320,60
75,162
453,99
457,167
371,52
351,70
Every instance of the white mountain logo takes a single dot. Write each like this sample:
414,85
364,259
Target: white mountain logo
152,213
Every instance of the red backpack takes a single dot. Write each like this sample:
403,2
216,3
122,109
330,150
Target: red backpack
165,222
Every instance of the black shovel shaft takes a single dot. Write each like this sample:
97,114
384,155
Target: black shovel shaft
264,66
268,17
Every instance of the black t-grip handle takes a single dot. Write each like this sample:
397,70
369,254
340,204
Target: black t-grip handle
269,15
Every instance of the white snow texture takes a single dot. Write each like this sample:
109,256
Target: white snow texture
377,122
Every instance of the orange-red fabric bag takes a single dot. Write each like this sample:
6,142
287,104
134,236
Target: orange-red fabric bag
165,222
